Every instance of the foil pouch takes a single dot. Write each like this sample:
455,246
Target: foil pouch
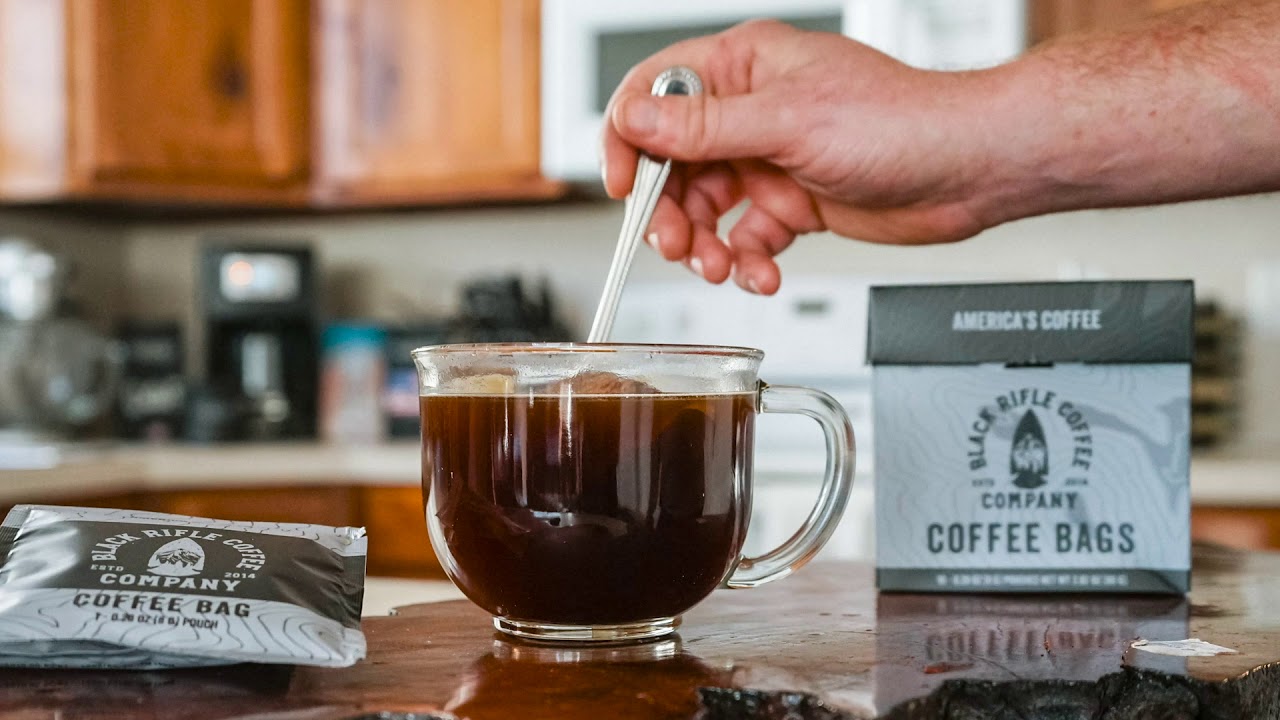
99,588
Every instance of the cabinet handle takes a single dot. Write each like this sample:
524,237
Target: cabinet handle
227,72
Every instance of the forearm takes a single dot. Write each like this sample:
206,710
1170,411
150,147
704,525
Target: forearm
1183,107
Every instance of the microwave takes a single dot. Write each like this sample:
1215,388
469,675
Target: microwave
588,46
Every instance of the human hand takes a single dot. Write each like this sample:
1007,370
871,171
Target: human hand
818,131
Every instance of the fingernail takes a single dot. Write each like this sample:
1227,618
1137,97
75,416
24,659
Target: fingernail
652,239
640,115
752,285
695,264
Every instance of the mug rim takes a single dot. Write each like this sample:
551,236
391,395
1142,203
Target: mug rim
512,348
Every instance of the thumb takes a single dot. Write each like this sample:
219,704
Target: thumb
701,128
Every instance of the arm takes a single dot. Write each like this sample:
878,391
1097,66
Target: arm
822,133
1185,106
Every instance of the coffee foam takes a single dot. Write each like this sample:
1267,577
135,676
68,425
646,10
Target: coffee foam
586,383
491,384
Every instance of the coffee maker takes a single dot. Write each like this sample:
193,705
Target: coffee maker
259,305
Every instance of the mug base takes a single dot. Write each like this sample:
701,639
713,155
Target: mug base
577,634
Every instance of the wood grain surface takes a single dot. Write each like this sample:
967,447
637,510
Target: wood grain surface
822,644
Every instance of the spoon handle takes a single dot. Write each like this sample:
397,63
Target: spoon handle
651,177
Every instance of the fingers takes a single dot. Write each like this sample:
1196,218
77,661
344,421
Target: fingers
728,63
700,128
712,192
780,195
686,217
697,197
618,155
669,231
780,210
709,256
754,240
617,163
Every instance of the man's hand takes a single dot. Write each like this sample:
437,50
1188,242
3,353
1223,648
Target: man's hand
818,131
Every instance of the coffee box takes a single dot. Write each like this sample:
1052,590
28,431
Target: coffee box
1032,437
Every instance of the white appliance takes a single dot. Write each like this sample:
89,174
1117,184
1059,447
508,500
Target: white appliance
588,46
813,333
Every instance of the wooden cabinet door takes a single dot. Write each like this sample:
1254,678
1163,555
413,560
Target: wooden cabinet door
319,505
427,100
201,94
1244,528
398,541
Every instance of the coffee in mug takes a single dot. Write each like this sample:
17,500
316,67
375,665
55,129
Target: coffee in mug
597,492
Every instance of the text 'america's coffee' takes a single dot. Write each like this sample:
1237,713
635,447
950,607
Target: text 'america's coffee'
1032,437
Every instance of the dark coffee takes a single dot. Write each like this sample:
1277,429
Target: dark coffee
588,510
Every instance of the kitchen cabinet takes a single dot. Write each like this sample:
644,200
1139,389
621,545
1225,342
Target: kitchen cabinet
322,505
428,99
296,103
190,98
1247,528
399,545
1051,18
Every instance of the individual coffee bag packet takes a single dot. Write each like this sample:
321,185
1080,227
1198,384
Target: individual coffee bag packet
96,588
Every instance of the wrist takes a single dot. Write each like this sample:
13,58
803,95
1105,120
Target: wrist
1022,170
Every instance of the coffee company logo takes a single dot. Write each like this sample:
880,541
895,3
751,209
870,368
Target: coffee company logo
179,558
1038,505
1049,442
183,559
1029,458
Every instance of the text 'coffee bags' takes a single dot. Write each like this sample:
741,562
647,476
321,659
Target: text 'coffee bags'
1032,437
95,588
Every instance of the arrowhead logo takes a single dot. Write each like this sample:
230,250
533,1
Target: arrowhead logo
1029,456
180,558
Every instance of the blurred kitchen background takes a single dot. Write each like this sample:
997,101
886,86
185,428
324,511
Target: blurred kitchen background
224,223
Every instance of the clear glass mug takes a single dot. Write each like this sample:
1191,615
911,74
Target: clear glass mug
597,492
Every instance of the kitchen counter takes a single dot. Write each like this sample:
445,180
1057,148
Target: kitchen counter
822,644
125,468
383,595
1220,478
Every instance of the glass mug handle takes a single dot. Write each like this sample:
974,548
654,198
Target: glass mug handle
836,484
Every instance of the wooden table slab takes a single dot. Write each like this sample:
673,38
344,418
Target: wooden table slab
822,644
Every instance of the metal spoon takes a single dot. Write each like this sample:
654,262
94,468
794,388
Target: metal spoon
651,176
